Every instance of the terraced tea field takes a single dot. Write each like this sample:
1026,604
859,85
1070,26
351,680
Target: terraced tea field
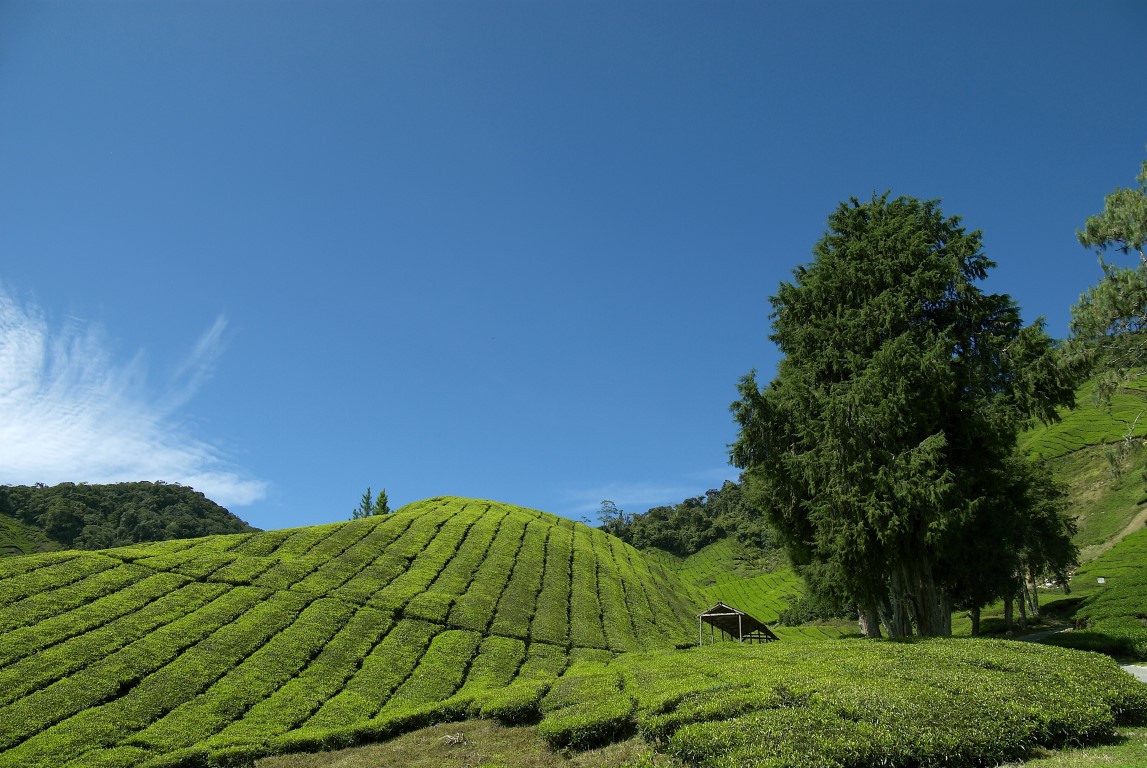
711,576
218,651
243,644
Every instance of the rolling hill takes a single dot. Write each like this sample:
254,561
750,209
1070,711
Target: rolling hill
284,639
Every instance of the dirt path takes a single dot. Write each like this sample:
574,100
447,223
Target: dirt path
1138,670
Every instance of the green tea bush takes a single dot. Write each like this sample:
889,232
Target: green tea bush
55,629
245,684
587,707
515,607
585,609
439,673
38,670
550,623
50,575
520,702
617,623
860,704
384,670
43,605
475,610
428,564
301,696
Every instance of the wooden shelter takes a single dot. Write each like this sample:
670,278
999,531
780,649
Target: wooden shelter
738,625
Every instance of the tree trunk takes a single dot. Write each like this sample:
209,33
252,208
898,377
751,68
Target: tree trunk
894,610
976,621
1008,613
1023,605
1034,595
869,621
930,605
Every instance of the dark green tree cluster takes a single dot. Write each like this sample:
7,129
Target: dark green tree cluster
81,516
368,507
884,451
686,527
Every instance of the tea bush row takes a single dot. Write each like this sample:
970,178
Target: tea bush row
859,704
476,609
26,640
435,602
50,576
428,564
386,667
587,707
43,605
550,623
515,608
243,685
46,724
38,670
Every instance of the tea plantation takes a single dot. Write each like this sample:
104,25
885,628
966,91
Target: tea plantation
220,650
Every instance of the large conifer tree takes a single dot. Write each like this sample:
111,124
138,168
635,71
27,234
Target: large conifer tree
881,450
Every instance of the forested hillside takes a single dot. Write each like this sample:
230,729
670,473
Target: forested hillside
80,516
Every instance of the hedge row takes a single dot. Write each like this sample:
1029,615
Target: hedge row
858,704
382,672
51,575
475,610
243,685
428,563
550,623
301,696
39,670
587,707
23,641
43,605
31,722
516,606
452,581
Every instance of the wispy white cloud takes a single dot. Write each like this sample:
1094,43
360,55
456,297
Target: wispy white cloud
69,412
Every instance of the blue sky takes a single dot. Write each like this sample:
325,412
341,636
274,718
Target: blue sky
281,251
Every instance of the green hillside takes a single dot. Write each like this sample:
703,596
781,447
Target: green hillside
295,638
1110,593
1104,502
17,538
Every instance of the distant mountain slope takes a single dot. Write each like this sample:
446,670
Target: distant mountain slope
81,516
1077,448
253,643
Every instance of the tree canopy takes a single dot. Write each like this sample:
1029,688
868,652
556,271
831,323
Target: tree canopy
884,451
1109,323
82,516
686,527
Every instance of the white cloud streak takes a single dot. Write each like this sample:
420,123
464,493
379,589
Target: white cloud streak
70,413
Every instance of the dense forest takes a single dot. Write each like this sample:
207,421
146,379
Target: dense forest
81,516
685,528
